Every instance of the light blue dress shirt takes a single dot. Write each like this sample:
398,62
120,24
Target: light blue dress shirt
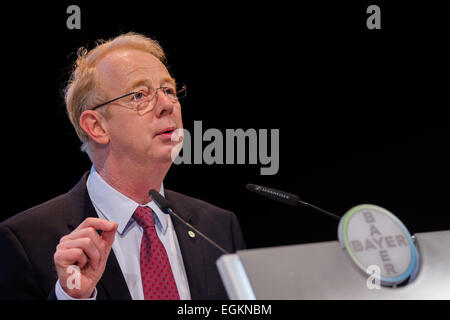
114,206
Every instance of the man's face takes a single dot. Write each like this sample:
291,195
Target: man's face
143,138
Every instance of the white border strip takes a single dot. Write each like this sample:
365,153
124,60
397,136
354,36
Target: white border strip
235,278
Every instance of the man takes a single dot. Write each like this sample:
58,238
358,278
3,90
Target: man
106,238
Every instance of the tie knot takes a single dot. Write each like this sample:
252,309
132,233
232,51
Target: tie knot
144,217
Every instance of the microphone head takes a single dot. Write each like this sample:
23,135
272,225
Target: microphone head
274,194
160,201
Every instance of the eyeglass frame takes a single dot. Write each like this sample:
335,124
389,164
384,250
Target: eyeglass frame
183,88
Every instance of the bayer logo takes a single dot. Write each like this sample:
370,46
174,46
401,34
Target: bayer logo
373,236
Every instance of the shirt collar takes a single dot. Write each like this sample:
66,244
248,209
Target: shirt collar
115,206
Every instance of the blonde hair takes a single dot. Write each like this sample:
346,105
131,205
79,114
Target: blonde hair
83,90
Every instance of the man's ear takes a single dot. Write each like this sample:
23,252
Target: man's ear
93,123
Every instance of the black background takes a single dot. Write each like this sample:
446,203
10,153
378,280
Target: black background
363,114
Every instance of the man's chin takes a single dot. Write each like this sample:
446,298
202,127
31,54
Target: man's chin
168,156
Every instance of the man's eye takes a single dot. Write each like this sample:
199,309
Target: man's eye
171,91
138,96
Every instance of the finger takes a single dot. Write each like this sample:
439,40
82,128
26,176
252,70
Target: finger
72,256
97,224
85,233
109,236
88,247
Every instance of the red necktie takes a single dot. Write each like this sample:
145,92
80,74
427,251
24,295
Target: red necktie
157,276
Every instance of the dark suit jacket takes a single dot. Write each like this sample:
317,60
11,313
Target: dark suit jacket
28,242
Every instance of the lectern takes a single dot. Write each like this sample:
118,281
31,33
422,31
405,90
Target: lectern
324,271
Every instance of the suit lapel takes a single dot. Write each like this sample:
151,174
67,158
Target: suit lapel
112,283
192,249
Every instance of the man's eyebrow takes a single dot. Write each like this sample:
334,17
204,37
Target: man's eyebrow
170,80
146,82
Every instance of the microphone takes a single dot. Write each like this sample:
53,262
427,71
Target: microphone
166,207
287,198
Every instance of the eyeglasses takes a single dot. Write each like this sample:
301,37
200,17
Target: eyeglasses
144,101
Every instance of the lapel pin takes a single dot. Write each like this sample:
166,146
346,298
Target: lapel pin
191,234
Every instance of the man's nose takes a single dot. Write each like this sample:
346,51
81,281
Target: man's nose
162,103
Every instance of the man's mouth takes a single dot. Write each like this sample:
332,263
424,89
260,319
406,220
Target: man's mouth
167,132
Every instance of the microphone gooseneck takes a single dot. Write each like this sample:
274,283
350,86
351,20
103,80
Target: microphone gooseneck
166,207
287,198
